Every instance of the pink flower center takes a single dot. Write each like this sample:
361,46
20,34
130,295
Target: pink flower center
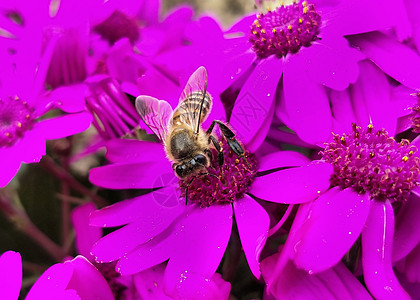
16,117
225,185
285,29
371,161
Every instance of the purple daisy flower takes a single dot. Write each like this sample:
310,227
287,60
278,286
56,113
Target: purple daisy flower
23,105
301,45
372,173
70,280
160,226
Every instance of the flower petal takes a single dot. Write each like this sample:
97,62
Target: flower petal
383,49
293,283
358,16
412,265
145,256
10,275
253,234
196,286
376,253
132,175
85,235
333,224
253,106
63,126
130,210
124,150
282,159
405,238
295,185
52,282
10,163
330,64
306,103
202,239
88,281
372,94
153,219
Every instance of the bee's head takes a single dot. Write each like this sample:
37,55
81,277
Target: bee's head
191,166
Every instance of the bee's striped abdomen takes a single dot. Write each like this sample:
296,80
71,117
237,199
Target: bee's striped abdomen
188,110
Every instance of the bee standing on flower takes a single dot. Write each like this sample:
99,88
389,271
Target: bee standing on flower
186,144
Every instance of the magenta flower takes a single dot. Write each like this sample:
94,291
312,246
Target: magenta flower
73,279
371,173
23,105
302,47
160,226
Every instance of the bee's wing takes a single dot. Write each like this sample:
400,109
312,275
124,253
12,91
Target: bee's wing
155,113
192,97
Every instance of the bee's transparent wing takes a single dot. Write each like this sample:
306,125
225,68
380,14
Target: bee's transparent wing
192,96
155,113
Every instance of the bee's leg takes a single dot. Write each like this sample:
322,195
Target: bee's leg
229,135
220,157
186,190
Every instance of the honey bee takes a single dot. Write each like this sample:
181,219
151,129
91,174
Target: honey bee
186,143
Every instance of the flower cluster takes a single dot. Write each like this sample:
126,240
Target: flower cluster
150,153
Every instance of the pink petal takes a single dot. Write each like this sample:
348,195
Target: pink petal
52,282
335,283
124,150
331,62
145,256
377,251
132,175
383,51
306,103
63,126
153,219
196,286
149,283
88,281
253,234
282,159
372,95
252,108
85,235
412,265
202,239
333,224
10,163
295,185
10,275
358,16
70,98
342,109
405,238
141,207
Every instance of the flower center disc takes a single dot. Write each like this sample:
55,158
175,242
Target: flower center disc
15,118
285,29
371,161
222,186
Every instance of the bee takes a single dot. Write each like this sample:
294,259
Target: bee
186,144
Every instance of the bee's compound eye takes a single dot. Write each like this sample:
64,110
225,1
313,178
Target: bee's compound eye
201,159
180,170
